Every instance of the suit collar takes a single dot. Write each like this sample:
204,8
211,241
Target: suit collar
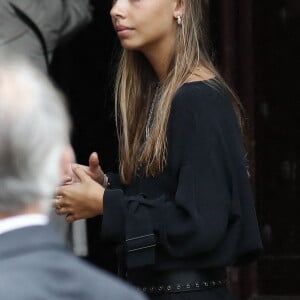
29,239
20,221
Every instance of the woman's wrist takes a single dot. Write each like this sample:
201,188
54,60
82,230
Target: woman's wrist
97,207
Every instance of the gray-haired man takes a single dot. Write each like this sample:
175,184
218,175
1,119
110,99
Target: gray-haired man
34,154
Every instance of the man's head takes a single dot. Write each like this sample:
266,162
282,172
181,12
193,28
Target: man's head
34,138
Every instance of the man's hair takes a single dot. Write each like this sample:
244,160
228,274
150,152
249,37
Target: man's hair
34,131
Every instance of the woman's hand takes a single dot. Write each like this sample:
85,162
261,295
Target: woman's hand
93,170
79,200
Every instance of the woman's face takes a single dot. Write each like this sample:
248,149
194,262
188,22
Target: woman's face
144,24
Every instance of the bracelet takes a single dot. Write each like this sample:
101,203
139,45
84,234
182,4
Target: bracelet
105,181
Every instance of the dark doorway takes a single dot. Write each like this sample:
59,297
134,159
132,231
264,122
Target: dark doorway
257,47
277,48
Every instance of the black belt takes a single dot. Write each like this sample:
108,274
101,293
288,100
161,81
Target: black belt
175,281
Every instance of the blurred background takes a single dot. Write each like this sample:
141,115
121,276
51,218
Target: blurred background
256,45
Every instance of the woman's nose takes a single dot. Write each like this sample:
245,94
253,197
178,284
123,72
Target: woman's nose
118,8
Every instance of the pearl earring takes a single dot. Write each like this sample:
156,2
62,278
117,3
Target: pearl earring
179,20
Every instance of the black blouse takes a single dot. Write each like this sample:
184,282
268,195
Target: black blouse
199,212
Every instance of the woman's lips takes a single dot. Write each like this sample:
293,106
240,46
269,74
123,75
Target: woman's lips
123,31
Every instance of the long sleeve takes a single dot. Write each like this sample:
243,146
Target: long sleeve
114,181
211,203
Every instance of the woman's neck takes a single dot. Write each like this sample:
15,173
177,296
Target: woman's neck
200,74
159,56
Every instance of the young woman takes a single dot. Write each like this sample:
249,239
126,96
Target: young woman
181,209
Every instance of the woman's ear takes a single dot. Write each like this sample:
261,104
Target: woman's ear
179,8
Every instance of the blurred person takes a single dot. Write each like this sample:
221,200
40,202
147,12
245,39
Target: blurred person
34,153
34,28
181,208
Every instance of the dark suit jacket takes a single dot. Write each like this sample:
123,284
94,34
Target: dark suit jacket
35,265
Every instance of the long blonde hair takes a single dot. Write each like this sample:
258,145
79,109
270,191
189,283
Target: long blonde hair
137,93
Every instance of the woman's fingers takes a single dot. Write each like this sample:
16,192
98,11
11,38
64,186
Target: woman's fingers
80,200
63,190
70,218
66,180
94,162
95,168
55,203
81,174
60,201
63,211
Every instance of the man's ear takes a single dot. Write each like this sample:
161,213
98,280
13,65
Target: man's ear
67,158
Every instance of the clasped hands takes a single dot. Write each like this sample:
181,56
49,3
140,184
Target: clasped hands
80,196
